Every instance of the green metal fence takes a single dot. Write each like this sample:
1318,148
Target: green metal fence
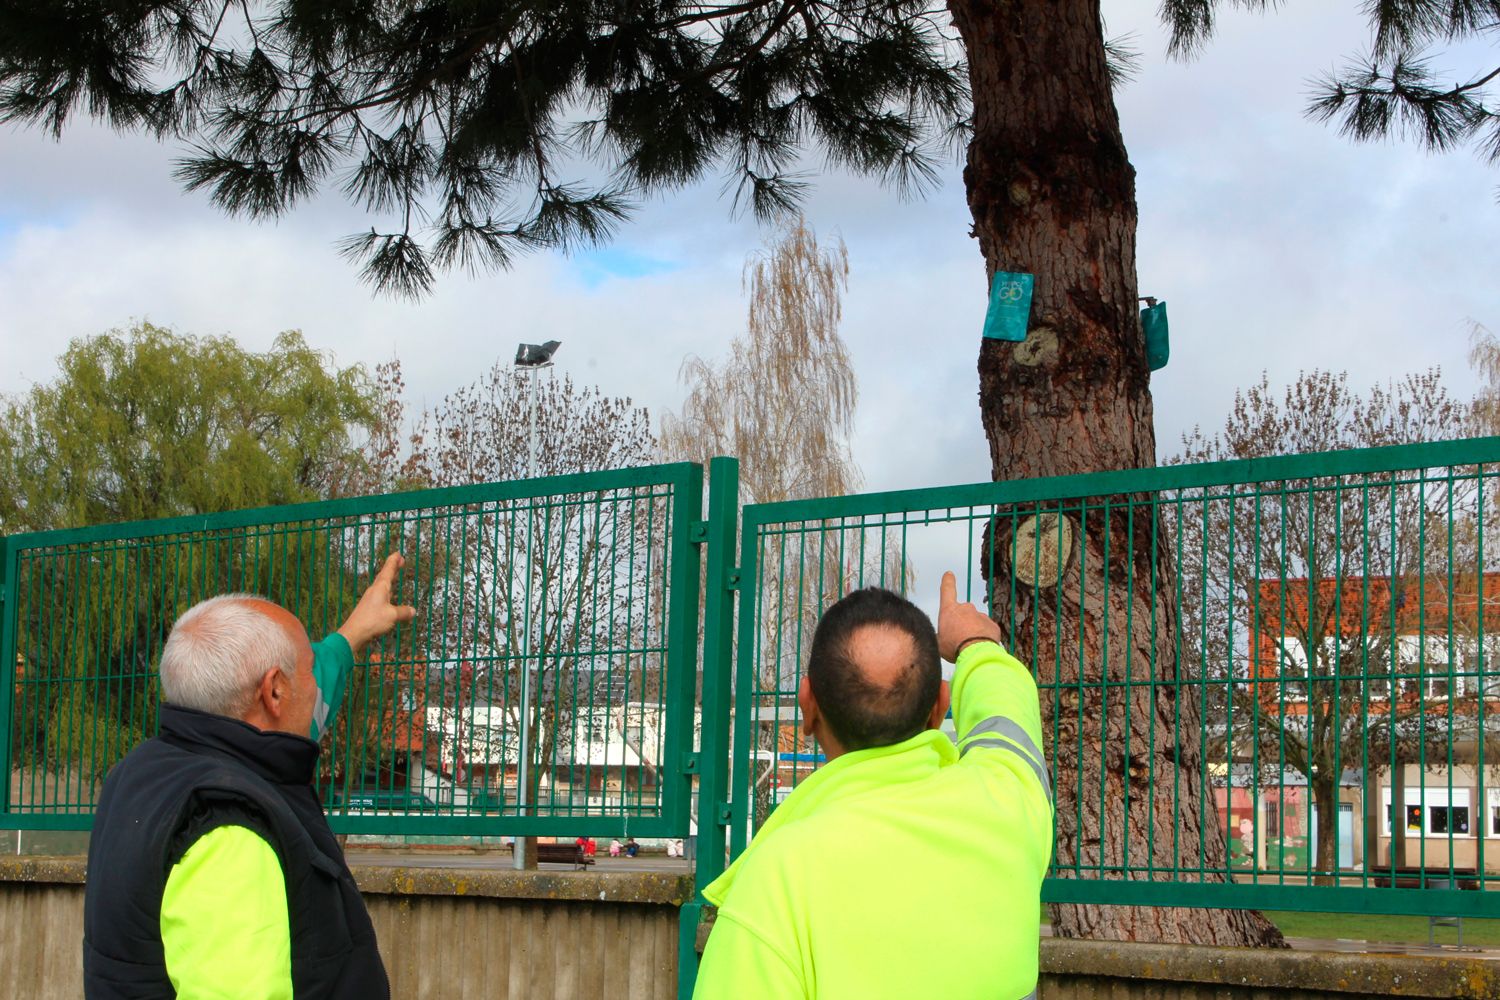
1242,666
1265,684
545,687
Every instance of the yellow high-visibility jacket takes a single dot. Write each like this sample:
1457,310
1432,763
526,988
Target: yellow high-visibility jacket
902,872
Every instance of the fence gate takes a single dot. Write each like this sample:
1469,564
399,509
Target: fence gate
556,617
1232,657
1229,656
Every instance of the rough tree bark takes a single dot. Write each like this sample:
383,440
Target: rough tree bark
1325,801
1052,192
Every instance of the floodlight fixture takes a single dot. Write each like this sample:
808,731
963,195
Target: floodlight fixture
536,355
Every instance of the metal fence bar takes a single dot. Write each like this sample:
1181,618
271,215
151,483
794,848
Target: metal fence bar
711,763
8,679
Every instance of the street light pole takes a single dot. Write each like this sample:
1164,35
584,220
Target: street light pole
531,438
533,357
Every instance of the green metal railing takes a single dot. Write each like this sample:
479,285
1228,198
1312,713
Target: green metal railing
1232,657
556,617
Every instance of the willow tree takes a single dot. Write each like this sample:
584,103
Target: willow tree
783,401
486,117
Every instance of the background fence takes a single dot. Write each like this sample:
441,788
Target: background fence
1242,666
554,651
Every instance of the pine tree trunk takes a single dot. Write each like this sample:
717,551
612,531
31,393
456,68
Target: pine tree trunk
1052,193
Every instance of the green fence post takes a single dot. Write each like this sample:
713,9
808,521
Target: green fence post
683,568
718,667
9,609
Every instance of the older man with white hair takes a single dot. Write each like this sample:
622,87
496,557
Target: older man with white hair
212,870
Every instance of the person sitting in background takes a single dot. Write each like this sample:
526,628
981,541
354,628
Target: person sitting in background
614,848
632,848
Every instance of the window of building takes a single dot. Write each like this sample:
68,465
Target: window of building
1413,811
1492,810
1431,666
1433,811
1448,819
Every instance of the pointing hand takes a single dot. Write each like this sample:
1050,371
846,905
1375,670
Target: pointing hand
960,623
375,615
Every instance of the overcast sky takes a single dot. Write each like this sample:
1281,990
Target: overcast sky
1276,243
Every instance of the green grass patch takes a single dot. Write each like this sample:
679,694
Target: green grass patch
1380,927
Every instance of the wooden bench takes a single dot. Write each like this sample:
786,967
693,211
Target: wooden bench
1428,877
560,854
1420,877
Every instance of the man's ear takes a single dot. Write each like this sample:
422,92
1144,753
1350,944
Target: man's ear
272,692
809,706
940,707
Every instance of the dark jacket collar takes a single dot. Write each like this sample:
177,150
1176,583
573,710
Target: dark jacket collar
281,758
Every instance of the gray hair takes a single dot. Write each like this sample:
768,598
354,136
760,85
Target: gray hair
218,651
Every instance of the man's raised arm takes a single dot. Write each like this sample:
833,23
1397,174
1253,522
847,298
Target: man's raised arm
334,656
995,702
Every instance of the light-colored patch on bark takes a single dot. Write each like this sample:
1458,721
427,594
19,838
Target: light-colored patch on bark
1041,548
1039,348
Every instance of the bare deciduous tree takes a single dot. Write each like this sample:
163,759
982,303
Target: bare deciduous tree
560,591
1305,591
783,402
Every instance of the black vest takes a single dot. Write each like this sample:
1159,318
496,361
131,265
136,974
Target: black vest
202,772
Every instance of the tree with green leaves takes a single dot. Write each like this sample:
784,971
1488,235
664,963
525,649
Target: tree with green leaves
141,424
147,423
475,131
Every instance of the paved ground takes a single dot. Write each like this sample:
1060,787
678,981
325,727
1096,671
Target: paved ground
502,859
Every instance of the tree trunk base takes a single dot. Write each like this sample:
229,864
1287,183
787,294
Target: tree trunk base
1165,925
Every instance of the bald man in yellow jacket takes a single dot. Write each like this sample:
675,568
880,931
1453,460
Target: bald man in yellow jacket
906,867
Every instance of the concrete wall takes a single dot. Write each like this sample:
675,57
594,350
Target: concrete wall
443,933
1109,970
1091,970
466,933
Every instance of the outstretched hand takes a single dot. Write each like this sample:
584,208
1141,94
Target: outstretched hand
959,623
375,615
